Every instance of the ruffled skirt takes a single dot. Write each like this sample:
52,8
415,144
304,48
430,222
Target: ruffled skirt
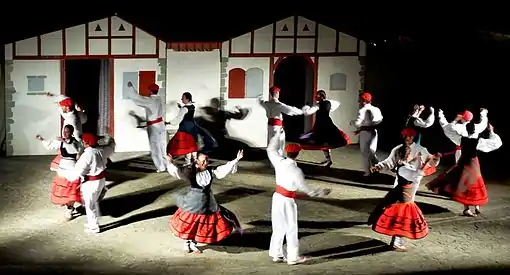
64,191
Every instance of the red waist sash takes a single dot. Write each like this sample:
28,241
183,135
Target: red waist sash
289,194
458,147
275,122
101,175
157,120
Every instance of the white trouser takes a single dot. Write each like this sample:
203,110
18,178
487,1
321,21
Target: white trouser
368,147
284,222
157,143
271,132
90,191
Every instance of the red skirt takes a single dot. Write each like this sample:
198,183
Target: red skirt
54,166
64,191
338,140
403,219
181,144
463,183
429,170
202,228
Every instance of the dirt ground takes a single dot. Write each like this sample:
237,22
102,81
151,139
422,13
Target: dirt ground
135,238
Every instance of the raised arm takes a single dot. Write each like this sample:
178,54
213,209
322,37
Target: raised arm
272,150
484,122
228,168
425,123
451,131
141,101
442,119
180,116
490,144
289,110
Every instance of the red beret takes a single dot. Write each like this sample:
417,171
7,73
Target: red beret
408,132
467,115
90,139
366,97
274,90
153,87
293,148
67,102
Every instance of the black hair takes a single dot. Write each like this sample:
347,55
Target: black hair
188,96
322,93
69,127
292,155
470,127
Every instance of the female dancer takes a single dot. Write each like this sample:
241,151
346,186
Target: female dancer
398,216
464,182
199,218
324,135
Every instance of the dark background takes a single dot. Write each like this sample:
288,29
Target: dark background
450,57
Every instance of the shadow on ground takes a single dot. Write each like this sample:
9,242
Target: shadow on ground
470,271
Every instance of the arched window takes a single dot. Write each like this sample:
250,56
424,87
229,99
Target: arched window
254,82
236,83
338,82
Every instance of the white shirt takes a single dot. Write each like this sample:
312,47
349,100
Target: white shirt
307,110
204,178
368,115
74,147
274,109
180,116
456,130
153,104
92,162
288,174
73,118
413,166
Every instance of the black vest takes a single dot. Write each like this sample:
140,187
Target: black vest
190,115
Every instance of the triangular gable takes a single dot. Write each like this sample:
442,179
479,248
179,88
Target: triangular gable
73,41
297,27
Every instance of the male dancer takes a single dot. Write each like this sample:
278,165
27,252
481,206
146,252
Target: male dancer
156,131
289,179
366,123
274,109
91,168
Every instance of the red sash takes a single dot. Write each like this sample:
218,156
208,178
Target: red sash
275,122
458,148
157,120
101,175
289,194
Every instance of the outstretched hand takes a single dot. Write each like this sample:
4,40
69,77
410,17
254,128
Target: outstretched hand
39,137
240,155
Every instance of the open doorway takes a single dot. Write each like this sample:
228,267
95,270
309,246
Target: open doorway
87,82
294,76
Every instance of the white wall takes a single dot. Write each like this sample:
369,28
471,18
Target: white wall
347,111
253,129
127,136
34,114
194,72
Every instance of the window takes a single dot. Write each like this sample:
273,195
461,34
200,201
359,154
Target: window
36,83
338,82
127,77
236,83
254,82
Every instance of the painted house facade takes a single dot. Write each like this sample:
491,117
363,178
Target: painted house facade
236,71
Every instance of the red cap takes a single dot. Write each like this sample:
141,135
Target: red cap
408,132
293,148
89,139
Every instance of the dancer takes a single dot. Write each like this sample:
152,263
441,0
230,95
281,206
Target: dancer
154,111
91,168
199,218
64,192
418,124
369,117
398,216
284,214
185,141
274,109
72,114
324,135
464,182
414,121
458,125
